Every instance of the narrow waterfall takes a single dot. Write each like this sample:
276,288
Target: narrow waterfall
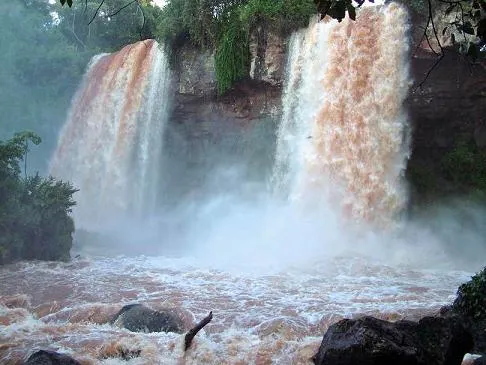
111,144
343,138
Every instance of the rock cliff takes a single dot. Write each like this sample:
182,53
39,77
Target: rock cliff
449,107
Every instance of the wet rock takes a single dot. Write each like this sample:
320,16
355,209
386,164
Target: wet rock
480,361
371,341
45,357
139,318
267,53
469,309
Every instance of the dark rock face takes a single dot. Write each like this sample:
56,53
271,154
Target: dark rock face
212,143
138,318
449,108
480,361
371,341
44,357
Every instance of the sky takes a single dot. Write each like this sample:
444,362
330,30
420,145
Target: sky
160,3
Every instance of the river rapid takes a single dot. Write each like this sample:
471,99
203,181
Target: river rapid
260,317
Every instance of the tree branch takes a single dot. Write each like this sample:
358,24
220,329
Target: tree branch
123,7
430,20
96,12
74,33
193,332
143,16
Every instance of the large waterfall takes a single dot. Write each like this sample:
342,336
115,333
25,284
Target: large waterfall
111,144
277,266
342,141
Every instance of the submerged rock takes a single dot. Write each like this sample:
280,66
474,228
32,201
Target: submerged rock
45,357
371,341
139,318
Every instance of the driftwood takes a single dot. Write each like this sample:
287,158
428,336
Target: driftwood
193,331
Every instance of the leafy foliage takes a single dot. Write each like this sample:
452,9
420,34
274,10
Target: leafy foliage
471,297
34,211
225,25
232,57
465,165
284,15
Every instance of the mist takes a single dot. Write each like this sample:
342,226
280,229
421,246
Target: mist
223,213
216,200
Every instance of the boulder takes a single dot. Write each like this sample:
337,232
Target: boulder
46,357
371,341
139,318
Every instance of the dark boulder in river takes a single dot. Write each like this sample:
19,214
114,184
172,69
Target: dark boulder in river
45,357
371,341
139,318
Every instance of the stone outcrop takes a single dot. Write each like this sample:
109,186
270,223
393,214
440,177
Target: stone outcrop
448,109
195,72
268,54
207,131
139,318
371,341
450,106
45,357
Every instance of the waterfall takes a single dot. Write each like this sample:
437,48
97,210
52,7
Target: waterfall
343,137
111,143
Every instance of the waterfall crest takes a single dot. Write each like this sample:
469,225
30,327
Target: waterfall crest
343,138
111,143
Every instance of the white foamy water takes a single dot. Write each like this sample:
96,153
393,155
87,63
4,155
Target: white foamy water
111,145
273,318
342,141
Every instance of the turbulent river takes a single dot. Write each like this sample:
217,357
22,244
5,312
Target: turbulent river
274,318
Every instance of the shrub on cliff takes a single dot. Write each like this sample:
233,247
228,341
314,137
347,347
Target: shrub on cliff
224,26
471,297
465,167
34,211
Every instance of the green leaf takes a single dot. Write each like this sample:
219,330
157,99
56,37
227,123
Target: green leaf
70,3
63,2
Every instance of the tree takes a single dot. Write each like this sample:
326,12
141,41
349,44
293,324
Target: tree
222,25
34,211
35,94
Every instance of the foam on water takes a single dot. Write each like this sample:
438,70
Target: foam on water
278,317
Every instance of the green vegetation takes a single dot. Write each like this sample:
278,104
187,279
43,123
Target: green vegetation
461,170
465,165
471,297
34,211
225,25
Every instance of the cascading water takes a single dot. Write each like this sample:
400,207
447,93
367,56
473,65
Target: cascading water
343,137
111,144
340,143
